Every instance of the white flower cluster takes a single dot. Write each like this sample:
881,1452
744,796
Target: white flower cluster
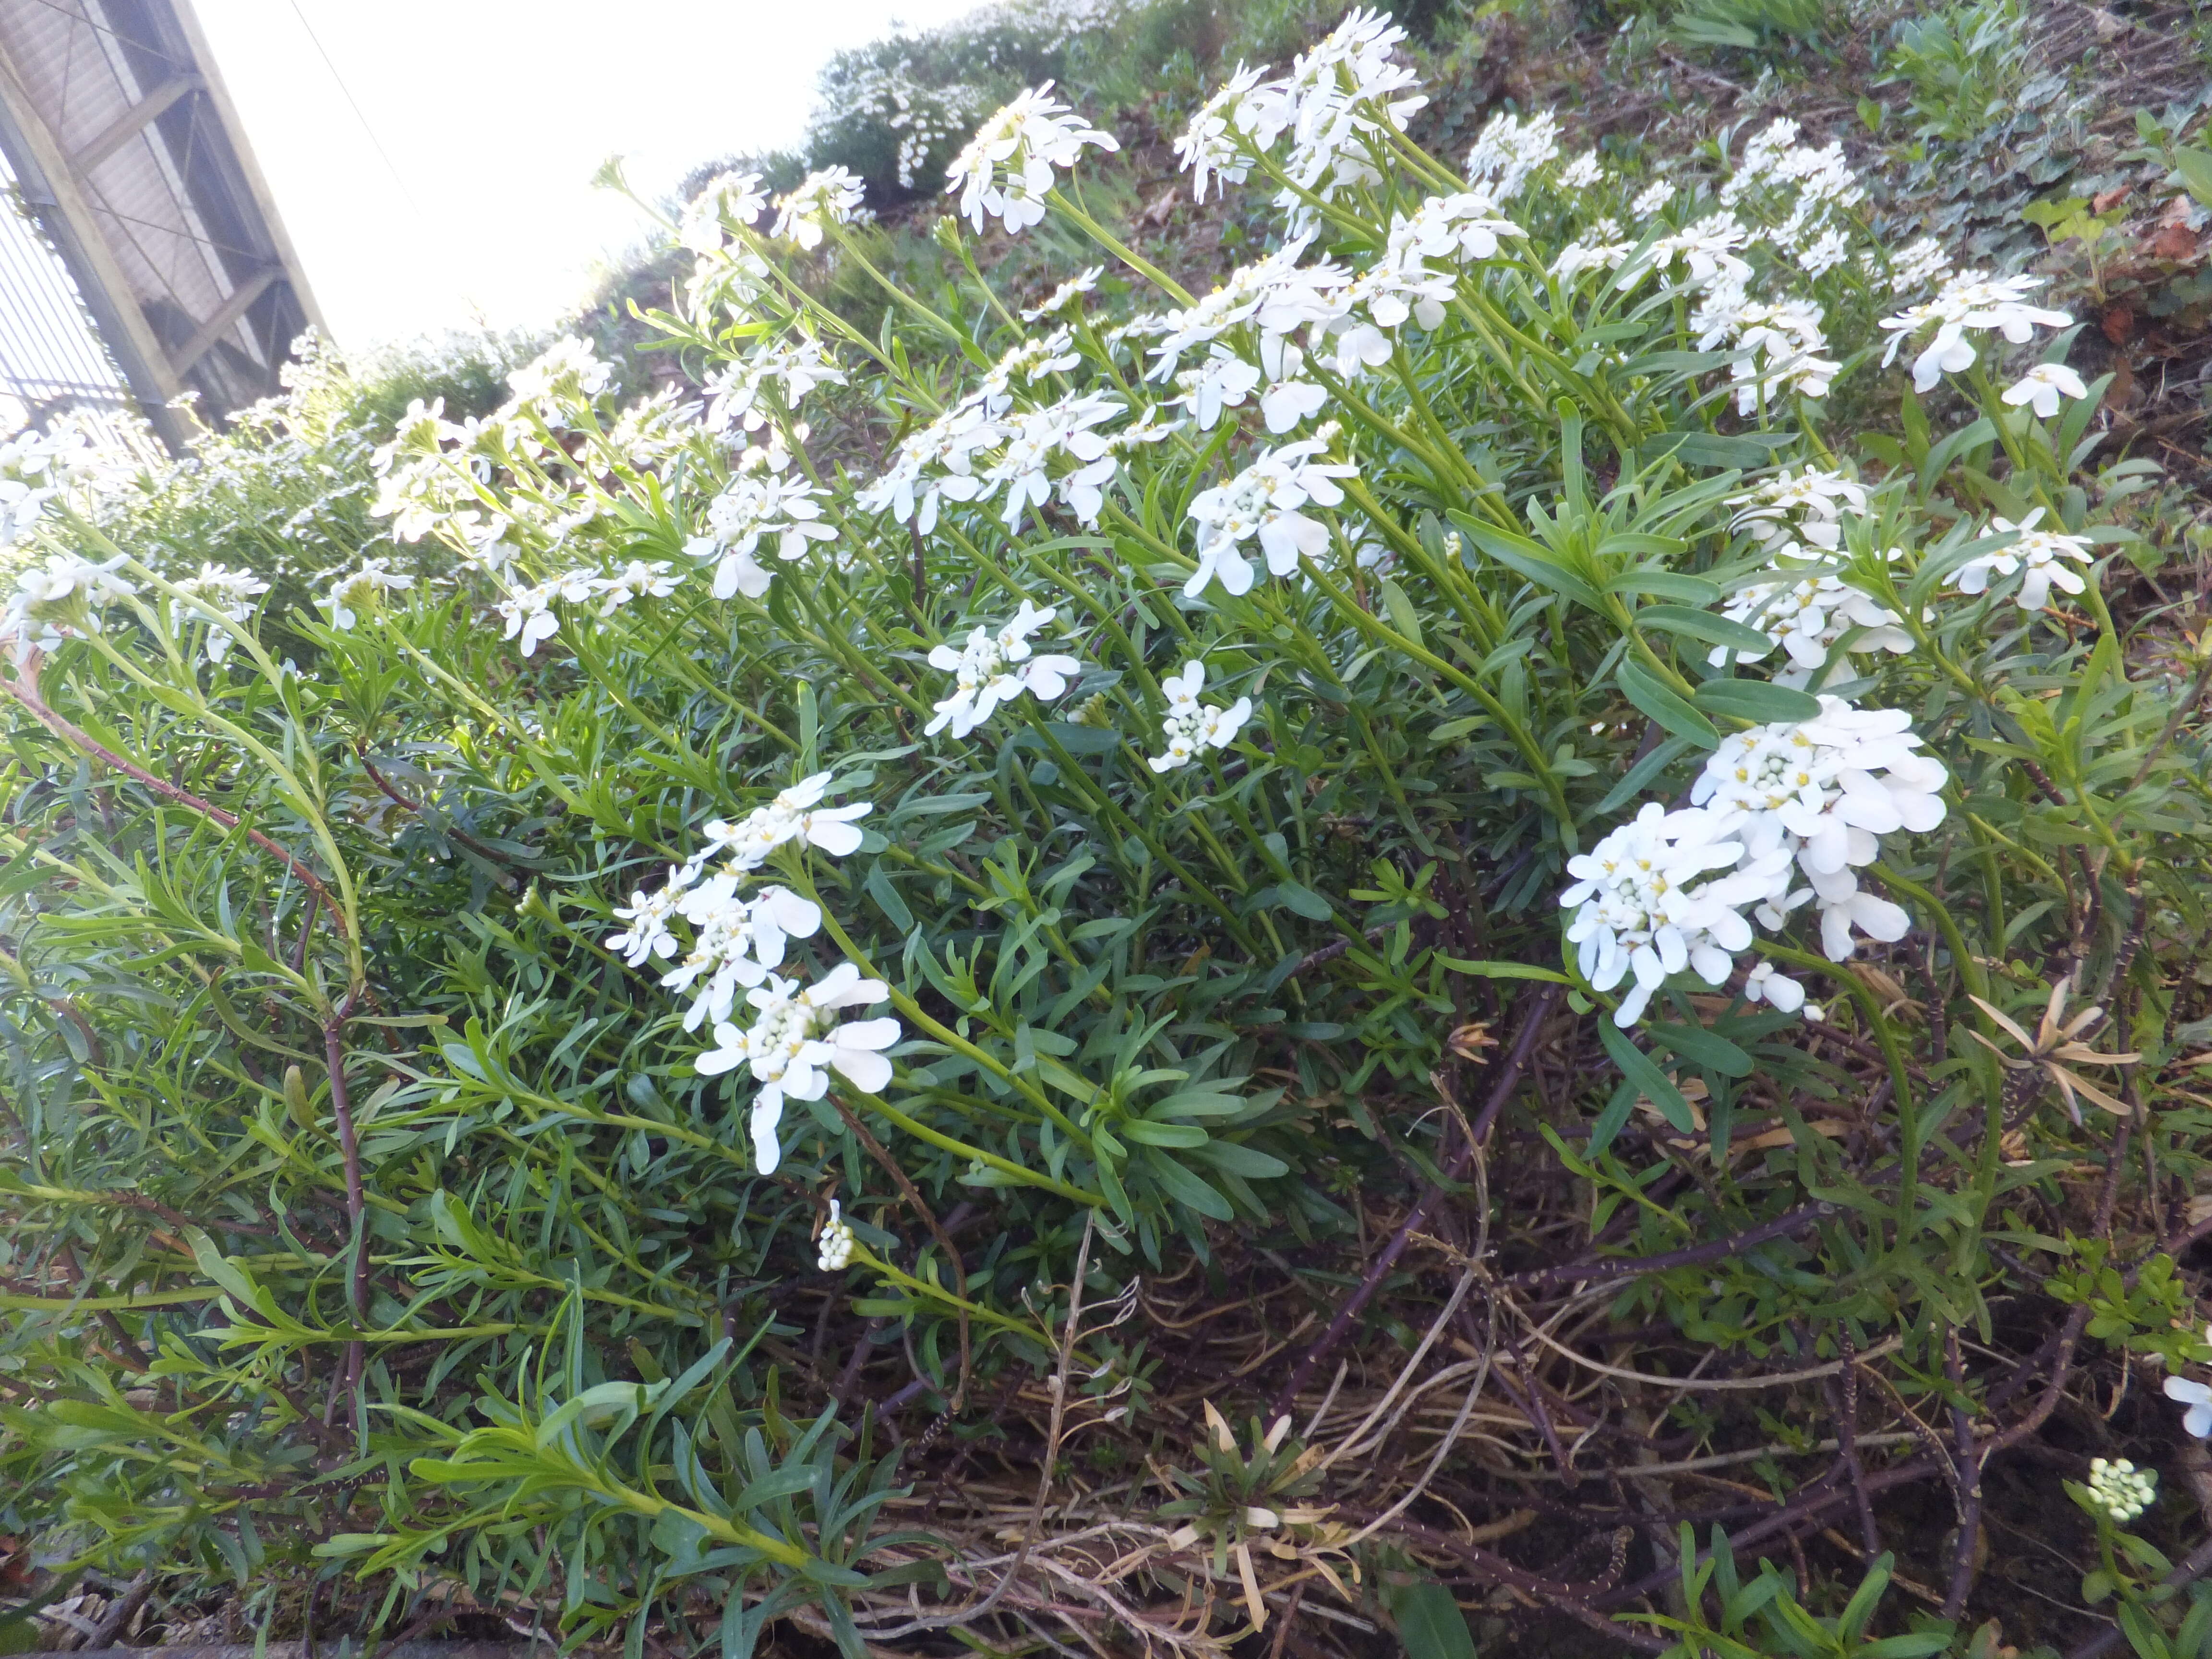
1800,604
1509,148
794,367
1007,167
228,593
2120,1490
1917,264
1776,345
796,1040
730,202
48,599
1335,106
1817,183
984,444
760,502
738,939
2033,550
1641,906
995,668
360,590
835,1254
1823,792
1975,301
1808,800
833,196
1263,502
1191,726
528,612
34,468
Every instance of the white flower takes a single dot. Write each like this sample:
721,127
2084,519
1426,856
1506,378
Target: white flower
996,668
1807,615
729,198
567,374
1639,906
636,579
1192,726
362,590
1764,984
33,467
793,815
2036,551
1824,252
1342,90
757,503
835,1252
2042,387
1598,248
1263,501
1779,345
1974,301
1708,247
1924,262
830,197
1007,167
935,463
1224,380
1796,511
1465,225
796,1040
648,914
735,941
1821,793
67,588
1064,297
1584,171
794,366
229,592
2121,1489
2198,1420
1508,150
1652,198
1209,145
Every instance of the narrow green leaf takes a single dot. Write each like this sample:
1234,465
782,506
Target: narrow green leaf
1636,1066
1663,704
1756,700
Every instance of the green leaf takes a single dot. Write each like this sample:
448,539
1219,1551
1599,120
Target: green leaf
1532,559
1406,619
1430,1622
1164,1135
1185,1188
1661,703
1504,970
2195,166
1760,701
1704,625
1702,1048
1667,584
1304,899
1636,1066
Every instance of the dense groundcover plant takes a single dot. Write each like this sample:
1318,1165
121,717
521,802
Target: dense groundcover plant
962,825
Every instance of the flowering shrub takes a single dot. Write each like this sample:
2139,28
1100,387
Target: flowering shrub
1463,616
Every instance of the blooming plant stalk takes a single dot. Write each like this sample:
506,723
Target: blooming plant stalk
912,829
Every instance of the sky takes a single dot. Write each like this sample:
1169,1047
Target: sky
460,196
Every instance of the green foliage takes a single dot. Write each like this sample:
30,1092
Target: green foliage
373,1208
2146,1310
1965,64
1762,1618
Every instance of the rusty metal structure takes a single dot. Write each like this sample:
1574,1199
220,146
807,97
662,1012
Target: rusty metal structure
142,260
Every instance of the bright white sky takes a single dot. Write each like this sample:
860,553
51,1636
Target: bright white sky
494,114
